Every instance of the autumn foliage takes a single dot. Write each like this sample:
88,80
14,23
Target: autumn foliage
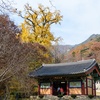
37,24
17,58
90,50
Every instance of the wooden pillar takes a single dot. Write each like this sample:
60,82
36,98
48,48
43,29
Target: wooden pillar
83,89
86,86
67,88
51,88
39,89
94,89
92,86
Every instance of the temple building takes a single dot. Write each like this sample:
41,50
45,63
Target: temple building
74,77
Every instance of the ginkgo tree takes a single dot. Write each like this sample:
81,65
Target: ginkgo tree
37,24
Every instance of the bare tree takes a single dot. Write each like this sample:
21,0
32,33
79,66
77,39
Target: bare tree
6,6
15,56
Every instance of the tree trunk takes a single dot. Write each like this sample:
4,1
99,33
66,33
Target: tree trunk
7,94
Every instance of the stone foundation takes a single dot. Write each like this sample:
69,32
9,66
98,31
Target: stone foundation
50,97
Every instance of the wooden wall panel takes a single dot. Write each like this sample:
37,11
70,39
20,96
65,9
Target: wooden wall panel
45,91
89,91
75,91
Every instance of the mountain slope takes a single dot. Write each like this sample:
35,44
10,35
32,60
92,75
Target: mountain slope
88,49
93,37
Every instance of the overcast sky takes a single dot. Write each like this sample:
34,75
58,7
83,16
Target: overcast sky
81,18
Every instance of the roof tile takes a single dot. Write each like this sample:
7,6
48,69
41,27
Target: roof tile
64,68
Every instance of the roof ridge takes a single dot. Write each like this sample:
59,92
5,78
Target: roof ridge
92,64
68,63
80,67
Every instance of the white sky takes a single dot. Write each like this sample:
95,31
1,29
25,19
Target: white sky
81,18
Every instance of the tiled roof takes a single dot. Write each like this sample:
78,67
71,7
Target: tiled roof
64,68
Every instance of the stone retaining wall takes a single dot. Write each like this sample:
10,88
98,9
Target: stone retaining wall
50,97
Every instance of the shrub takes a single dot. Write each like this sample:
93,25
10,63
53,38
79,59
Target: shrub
73,96
18,95
12,93
11,97
41,96
90,96
35,93
60,95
